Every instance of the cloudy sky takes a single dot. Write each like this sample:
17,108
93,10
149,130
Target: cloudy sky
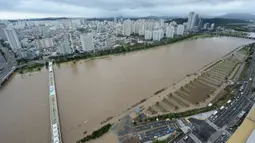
12,9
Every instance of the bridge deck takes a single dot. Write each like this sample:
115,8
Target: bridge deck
54,116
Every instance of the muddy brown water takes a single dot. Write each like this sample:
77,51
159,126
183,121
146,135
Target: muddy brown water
93,90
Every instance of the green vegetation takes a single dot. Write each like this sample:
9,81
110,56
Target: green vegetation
239,66
250,50
212,65
246,67
30,68
96,134
121,49
206,35
171,137
231,34
238,27
182,114
224,96
142,46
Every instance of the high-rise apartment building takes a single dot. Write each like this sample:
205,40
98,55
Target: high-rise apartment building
193,21
71,41
206,26
148,35
2,33
12,38
170,32
157,35
212,26
200,23
142,29
127,27
65,48
190,19
44,43
180,29
87,42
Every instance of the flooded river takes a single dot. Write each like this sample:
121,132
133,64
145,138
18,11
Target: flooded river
89,92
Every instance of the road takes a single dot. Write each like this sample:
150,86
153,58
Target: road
54,116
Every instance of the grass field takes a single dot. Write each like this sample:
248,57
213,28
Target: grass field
198,90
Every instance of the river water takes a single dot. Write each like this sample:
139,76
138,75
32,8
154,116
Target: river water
90,91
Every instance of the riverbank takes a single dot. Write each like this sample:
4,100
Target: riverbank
158,97
119,50
90,91
136,47
122,50
30,68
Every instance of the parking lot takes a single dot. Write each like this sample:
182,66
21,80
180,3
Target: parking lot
154,134
148,126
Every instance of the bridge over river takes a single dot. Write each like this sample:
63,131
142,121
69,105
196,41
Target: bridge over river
54,116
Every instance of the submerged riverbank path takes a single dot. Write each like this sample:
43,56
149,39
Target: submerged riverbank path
54,116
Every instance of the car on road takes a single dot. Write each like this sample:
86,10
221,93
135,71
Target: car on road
186,137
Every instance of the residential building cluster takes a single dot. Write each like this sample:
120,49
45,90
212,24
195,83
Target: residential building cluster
68,36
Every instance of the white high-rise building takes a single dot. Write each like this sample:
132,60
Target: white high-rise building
87,42
180,30
44,43
71,41
173,23
150,26
133,28
136,27
142,29
212,26
65,48
185,24
156,26
2,33
148,35
206,26
190,18
194,22
170,32
127,27
157,35
12,38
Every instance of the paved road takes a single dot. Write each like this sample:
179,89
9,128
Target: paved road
54,116
194,138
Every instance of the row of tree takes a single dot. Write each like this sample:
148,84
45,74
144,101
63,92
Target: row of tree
182,114
120,49
96,134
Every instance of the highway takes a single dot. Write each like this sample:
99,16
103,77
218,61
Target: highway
225,117
6,73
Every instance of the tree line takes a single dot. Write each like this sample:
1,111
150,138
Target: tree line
120,49
96,134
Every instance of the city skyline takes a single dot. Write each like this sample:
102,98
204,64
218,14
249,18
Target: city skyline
22,9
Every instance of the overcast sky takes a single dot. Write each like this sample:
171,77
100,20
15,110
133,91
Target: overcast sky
12,9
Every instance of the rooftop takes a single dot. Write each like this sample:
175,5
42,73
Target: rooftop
246,132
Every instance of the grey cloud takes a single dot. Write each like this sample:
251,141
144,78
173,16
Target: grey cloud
100,8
